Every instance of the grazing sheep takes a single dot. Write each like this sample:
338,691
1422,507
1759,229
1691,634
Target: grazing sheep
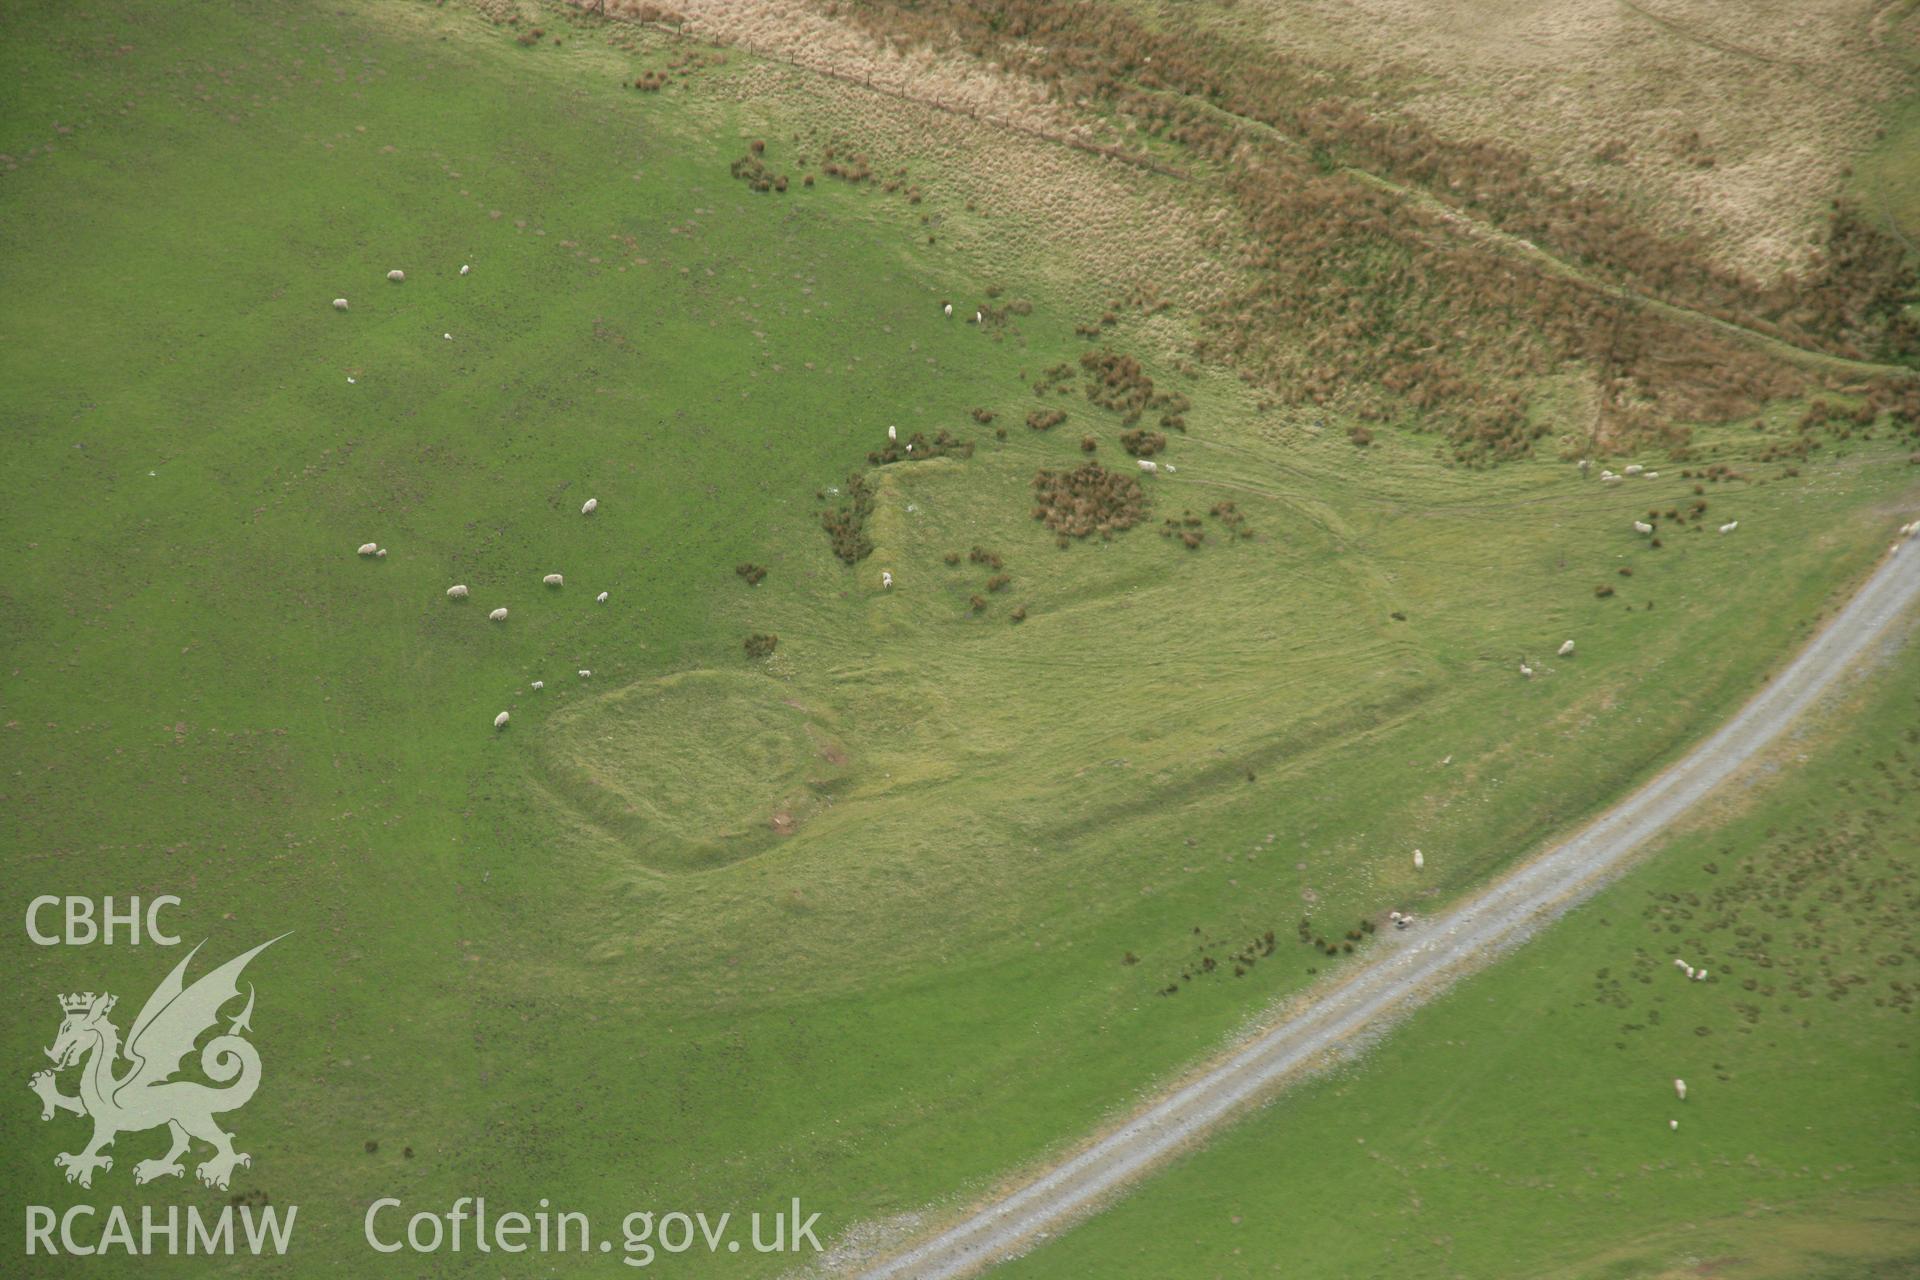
500,721
1700,976
339,304
554,580
886,579
947,310
539,684
397,276
457,592
1148,465
1678,963
1526,671
464,268
1586,465
498,615
1673,1124
1419,860
893,434
1642,527
1609,478
1689,972
447,336
590,506
584,673
601,598
368,548
381,553
1680,1088
1653,475
1566,650
1729,526
1633,469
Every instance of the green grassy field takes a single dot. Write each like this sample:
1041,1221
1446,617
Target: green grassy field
1519,1126
704,931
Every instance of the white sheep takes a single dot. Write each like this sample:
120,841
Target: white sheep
886,579
368,548
1680,1088
464,268
539,684
1673,1124
893,433
397,276
590,506
1642,527
601,598
1419,860
1633,469
978,318
1148,465
1729,526
1653,475
1700,976
1679,963
500,721
554,580
381,553
498,615
584,673
1566,650
457,592
1526,671
1689,972
947,310
339,304
1608,477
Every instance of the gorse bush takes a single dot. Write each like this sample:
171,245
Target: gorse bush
918,448
1086,500
846,524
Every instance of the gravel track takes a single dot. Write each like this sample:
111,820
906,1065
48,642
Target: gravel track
1407,969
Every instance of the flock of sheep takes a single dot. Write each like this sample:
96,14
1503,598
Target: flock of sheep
459,590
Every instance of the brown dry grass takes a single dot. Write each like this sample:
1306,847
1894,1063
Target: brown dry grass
1631,97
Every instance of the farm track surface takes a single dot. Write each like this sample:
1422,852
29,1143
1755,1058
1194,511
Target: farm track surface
1408,969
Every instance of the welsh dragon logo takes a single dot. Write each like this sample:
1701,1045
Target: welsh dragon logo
146,1095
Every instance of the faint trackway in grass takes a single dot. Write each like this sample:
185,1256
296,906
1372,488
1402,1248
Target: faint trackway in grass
1467,224
1552,263
1406,970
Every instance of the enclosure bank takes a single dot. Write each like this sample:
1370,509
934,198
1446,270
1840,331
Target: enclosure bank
85,1230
